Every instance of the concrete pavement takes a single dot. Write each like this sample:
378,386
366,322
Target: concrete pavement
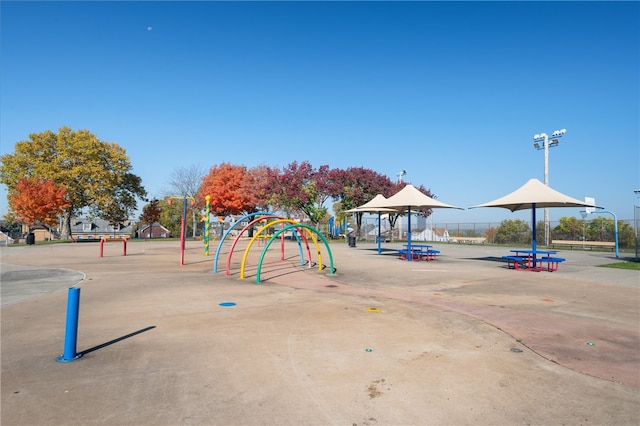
461,340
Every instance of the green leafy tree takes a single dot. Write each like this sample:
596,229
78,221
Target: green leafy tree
96,174
600,229
512,232
626,235
603,229
569,228
171,216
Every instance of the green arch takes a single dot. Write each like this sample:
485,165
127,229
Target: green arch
296,225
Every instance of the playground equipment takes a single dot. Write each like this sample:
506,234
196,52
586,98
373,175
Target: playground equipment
105,240
332,270
71,330
207,212
226,234
297,230
259,236
264,229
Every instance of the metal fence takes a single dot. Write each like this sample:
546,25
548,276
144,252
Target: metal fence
490,232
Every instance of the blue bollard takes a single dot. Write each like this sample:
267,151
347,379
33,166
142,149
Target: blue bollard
71,332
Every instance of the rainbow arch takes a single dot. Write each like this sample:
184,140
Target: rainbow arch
295,232
311,230
226,234
280,220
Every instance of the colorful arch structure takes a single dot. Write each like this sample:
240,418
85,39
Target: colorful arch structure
261,218
263,229
224,236
311,230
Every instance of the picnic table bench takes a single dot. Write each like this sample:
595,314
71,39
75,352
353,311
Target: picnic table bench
468,240
529,260
418,252
584,244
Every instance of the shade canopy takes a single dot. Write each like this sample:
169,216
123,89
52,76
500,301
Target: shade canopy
373,205
410,197
534,194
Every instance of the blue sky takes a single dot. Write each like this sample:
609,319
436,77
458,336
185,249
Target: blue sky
452,92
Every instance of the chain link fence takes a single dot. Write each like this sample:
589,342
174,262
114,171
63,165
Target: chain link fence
596,229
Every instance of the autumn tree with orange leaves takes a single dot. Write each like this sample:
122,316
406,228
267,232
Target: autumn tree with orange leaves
38,201
224,183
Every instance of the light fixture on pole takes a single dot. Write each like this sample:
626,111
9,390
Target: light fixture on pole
546,144
400,174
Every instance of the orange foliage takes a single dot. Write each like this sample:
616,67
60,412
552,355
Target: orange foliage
38,200
224,185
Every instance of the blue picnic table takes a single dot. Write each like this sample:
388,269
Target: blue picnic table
418,252
532,260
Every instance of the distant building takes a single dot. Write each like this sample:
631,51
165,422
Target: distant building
96,229
156,231
40,233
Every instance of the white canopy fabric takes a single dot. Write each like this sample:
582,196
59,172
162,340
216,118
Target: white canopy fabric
534,194
372,206
410,197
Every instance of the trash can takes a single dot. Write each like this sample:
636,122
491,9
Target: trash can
352,241
31,238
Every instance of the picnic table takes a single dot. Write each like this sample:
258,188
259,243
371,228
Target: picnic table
533,260
418,252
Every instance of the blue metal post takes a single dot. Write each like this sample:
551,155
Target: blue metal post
71,332
615,227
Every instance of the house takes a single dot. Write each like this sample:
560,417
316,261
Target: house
40,233
95,229
156,231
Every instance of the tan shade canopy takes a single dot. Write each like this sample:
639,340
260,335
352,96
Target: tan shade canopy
534,194
373,205
410,198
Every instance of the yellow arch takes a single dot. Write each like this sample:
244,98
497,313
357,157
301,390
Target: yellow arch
264,228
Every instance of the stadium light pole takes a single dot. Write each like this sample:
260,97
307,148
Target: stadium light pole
546,144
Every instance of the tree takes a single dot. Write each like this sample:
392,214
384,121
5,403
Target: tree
38,201
122,204
224,185
257,185
357,185
569,228
151,214
95,174
603,229
512,232
185,182
171,216
303,189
